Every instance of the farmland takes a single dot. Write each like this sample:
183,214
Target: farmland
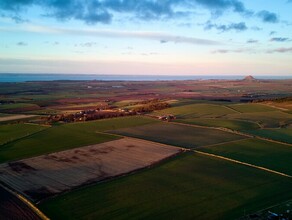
63,137
13,132
225,123
189,187
283,134
247,108
197,110
261,153
271,119
14,117
51,174
179,135
221,154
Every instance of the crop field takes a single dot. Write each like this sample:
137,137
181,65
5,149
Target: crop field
225,123
67,136
197,110
283,134
51,174
112,124
191,186
272,119
247,108
16,131
257,152
18,107
179,135
50,140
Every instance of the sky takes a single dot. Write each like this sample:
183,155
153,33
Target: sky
141,37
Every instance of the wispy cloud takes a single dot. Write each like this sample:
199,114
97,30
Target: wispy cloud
224,51
281,50
280,39
233,26
252,41
155,36
21,43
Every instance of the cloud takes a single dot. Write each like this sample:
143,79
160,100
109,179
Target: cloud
272,33
281,50
224,51
219,6
251,41
103,11
268,17
100,11
233,26
21,43
280,39
146,35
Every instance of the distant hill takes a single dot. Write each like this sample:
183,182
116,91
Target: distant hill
249,79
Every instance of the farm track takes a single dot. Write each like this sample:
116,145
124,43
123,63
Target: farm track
243,163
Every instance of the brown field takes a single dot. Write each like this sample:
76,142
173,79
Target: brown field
15,117
46,175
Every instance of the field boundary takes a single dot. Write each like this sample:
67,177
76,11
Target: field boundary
27,202
215,128
243,163
235,132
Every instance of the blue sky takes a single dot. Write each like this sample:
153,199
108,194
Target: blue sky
172,37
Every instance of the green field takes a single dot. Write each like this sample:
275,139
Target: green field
261,153
63,137
16,131
179,135
283,134
225,123
191,186
247,108
197,110
272,119
112,124
16,106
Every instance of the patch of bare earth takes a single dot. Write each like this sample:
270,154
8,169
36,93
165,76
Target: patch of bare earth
47,175
15,117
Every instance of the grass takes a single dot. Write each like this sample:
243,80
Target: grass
112,124
189,187
284,134
258,152
16,106
216,122
250,107
197,110
15,131
65,137
178,135
272,119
